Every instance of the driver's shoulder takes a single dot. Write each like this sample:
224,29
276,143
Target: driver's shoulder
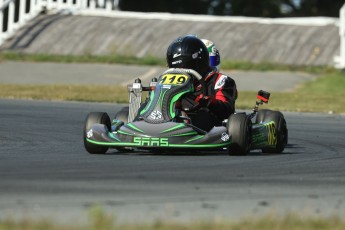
223,80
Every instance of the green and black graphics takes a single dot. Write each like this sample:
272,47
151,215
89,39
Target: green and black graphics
162,103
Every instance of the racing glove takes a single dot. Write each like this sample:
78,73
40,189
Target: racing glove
205,101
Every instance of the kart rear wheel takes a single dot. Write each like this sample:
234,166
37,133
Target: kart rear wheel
240,129
122,115
280,129
260,116
91,119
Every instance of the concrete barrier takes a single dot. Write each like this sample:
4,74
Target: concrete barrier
97,29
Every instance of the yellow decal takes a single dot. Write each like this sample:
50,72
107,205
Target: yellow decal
271,134
173,79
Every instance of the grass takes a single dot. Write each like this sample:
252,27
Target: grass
88,93
325,94
110,59
98,220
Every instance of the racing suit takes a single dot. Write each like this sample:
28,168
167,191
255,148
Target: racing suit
217,106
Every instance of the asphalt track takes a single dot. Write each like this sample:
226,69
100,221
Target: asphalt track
116,74
45,172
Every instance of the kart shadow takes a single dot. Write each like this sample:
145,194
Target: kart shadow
289,150
167,153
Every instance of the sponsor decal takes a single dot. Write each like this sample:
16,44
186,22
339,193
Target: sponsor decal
176,62
89,134
151,141
220,82
264,134
136,85
195,55
177,55
225,137
259,139
156,115
271,133
166,86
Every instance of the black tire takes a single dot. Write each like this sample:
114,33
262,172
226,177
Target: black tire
260,116
123,114
240,128
91,119
280,129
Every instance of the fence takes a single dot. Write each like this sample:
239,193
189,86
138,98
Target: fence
340,60
16,13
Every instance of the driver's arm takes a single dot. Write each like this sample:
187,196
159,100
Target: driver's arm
223,100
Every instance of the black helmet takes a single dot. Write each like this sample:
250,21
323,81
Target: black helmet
188,52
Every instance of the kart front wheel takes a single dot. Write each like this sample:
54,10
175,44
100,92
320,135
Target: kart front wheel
122,115
91,119
240,129
280,129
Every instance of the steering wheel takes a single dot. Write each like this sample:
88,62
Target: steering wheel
194,74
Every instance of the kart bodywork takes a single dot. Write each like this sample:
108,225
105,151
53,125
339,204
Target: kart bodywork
158,124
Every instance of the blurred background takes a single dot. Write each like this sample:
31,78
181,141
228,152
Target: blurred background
288,32
251,8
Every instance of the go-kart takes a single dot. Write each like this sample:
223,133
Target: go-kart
159,125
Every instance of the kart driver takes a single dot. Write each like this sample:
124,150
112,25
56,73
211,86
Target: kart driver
213,53
191,53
